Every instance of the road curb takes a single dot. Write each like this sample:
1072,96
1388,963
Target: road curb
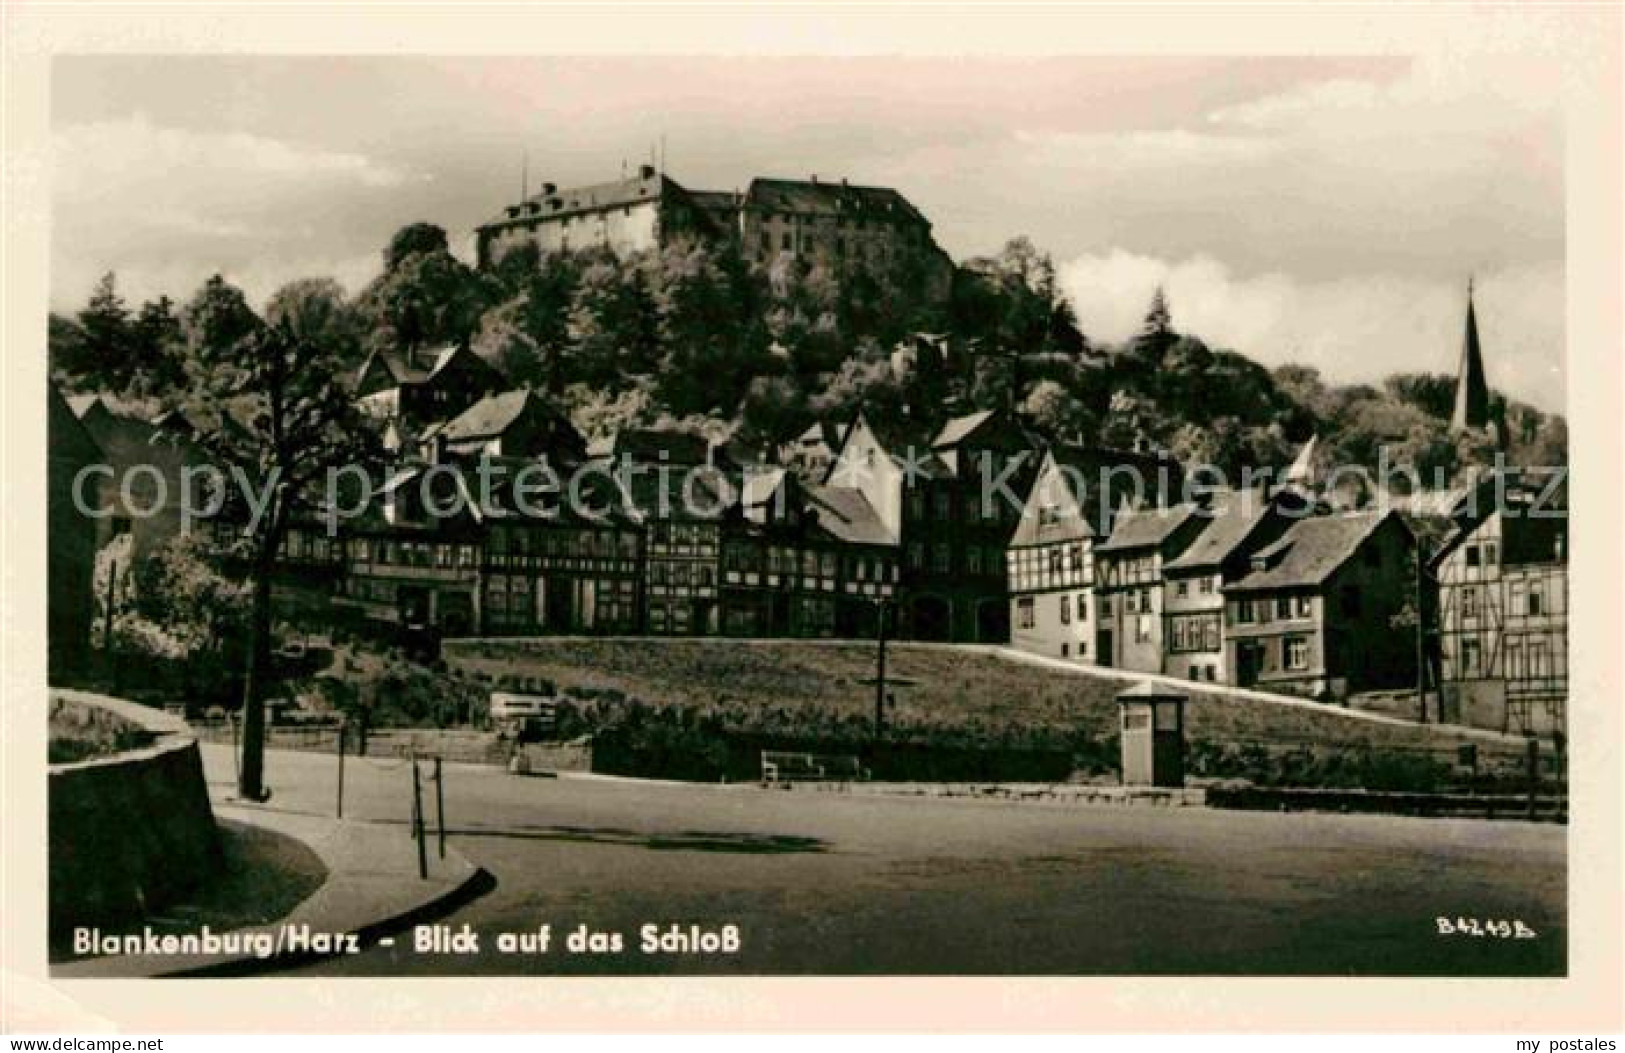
466,883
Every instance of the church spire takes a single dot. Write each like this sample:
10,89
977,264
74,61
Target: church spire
1472,391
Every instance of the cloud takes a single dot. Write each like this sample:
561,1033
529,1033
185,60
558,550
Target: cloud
166,207
1354,329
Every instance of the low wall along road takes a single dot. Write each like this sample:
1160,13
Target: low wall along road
131,829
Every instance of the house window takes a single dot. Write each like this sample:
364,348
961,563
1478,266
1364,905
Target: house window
941,558
1184,588
1142,629
1539,657
916,555
973,560
1469,602
1472,655
1024,614
1066,610
1472,555
1489,554
1514,658
1244,612
1297,652
1083,607
940,504
1537,599
1305,607
785,242
1105,606
1283,607
916,505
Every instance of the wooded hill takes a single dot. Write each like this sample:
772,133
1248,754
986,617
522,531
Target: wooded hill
696,337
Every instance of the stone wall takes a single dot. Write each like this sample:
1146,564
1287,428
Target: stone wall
129,831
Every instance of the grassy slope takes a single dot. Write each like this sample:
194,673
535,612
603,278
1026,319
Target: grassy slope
953,685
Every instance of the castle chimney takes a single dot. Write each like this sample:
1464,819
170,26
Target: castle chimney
646,171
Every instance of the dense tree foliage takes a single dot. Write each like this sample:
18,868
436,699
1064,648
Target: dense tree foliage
696,332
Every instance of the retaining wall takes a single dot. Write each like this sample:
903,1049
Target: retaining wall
129,831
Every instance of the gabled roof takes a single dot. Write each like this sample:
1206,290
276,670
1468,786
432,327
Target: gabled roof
492,416
1060,519
1146,527
66,435
848,516
760,486
1524,490
959,429
827,432
1311,551
1231,517
402,370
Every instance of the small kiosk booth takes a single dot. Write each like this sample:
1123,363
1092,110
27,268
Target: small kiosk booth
1153,736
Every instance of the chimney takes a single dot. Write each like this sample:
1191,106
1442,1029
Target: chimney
814,179
646,171
549,189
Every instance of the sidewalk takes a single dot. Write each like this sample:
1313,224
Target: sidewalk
372,890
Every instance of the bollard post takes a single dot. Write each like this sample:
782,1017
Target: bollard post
440,806
339,810
417,819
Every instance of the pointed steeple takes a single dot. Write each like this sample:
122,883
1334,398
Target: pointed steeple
1302,472
1472,391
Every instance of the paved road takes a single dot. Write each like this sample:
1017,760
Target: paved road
830,883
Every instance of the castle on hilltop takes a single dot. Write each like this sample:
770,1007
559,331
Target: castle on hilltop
839,226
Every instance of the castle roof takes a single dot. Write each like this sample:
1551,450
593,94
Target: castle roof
554,202
843,199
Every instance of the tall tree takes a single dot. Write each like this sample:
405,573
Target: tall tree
218,315
269,406
106,351
426,297
158,351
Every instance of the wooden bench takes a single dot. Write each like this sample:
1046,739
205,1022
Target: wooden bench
784,768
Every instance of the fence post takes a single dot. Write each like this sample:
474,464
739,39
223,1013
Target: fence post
340,809
417,819
1532,751
440,805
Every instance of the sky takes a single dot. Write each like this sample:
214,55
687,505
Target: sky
1314,210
